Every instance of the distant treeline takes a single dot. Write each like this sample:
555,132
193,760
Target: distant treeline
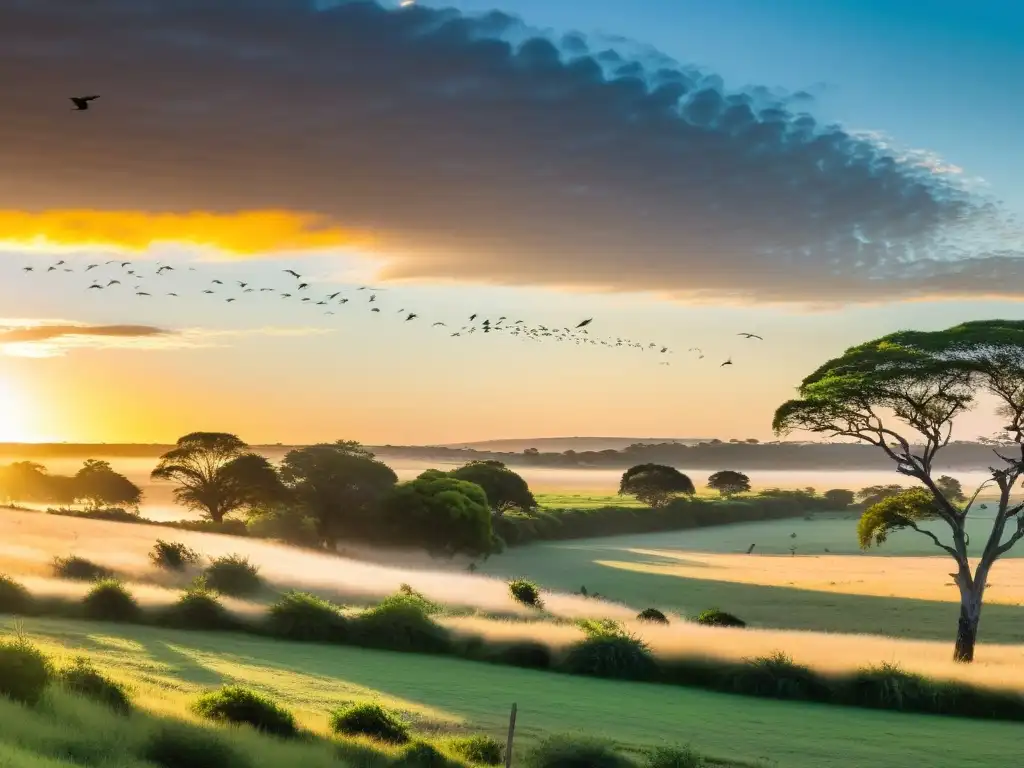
712,454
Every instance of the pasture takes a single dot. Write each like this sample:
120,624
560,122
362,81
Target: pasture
166,669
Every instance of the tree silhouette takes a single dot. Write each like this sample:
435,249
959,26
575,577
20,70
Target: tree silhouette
655,484
838,498
728,482
98,484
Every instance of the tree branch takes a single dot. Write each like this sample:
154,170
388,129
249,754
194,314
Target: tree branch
934,538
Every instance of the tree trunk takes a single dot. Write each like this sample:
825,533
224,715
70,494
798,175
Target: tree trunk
967,628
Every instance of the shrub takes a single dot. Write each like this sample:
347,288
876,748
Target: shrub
14,598
887,686
674,757
24,671
525,592
601,627
109,600
527,654
614,656
652,615
287,523
172,555
420,754
407,592
233,575
482,750
198,608
79,569
179,746
777,676
370,720
717,618
400,626
305,617
574,752
234,704
82,679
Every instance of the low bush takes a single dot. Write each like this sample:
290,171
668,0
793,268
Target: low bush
370,720
234,704
24,671
480,749
14,598
286,523
172,555
887,686
429,606
82,678
601,627
717,618
180,746
574,752
79,569
109,600
777,676
306,618
400,626
525,592
111,514
233,575
526,654
198,608
420,754
652,615
674,757
619,657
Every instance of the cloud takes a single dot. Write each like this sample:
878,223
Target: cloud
476,149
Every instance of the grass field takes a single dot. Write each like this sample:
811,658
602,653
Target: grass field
585,500
167,669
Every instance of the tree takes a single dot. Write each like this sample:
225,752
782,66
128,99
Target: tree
338,485
439,513
655,484
98,484
950,488
902,393
23,481
217,474
728,482
838,498
505,489
873,494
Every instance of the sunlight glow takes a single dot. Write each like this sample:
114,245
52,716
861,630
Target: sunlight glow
13,414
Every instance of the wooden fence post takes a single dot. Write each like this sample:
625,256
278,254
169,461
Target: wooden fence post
511,734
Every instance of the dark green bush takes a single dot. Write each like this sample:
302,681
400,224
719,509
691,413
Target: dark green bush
406,592
619,657
14,598
574,752
305,617
479,749
777,676
233,575
400,626
234,704
652,615
674,757
526,653
180,746
717,618
109,600
420,754
525,592
172,555
198,608
372,720
79,569
887,686
82,678
24,671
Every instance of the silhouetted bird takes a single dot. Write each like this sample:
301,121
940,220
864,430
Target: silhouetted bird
751,548
28,269
585,323
286,295
303,286
95,286
411,316
217,282
91,266
727,362
207,291
228,300
293,273
750,336
113,282
333,296
172,294
82,102
437,323
472,318
141,293
375,309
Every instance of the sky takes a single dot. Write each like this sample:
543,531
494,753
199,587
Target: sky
817,173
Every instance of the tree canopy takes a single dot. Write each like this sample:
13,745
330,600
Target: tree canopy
838,498
902,393
505,489
655,484
23,481
98,485
729,482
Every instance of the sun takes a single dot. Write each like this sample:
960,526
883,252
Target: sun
13,416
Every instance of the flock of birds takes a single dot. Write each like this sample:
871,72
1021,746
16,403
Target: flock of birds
301,291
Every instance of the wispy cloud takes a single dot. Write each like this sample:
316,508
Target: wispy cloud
473,148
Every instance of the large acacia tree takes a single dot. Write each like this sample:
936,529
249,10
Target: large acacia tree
902,394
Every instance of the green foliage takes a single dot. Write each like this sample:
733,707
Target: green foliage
674,757
180,746
371,720
441,514
728,482
339,487
838,498
479,749
716,618
83,679
951,488
283,522
526,592
652,615
421,754
172,555
655,484
79,569
400,625
24,671
233,575
407,594
198,608
903,510
778,676
505,489
304,617
110,600
873,494
574,752
14,598
601,628
99,485
241,706
887,686
616,656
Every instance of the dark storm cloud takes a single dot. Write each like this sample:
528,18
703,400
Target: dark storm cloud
477,150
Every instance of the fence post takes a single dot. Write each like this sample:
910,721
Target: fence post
511,734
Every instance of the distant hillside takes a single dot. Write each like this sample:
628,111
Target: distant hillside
560,444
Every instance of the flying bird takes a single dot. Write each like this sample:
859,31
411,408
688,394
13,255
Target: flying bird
303,286
411,316
293,273
82,102
585,323
91,266
95,285
750,336
28,269
727,362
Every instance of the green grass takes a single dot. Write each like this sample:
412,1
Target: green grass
168,669
585,500
565,565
